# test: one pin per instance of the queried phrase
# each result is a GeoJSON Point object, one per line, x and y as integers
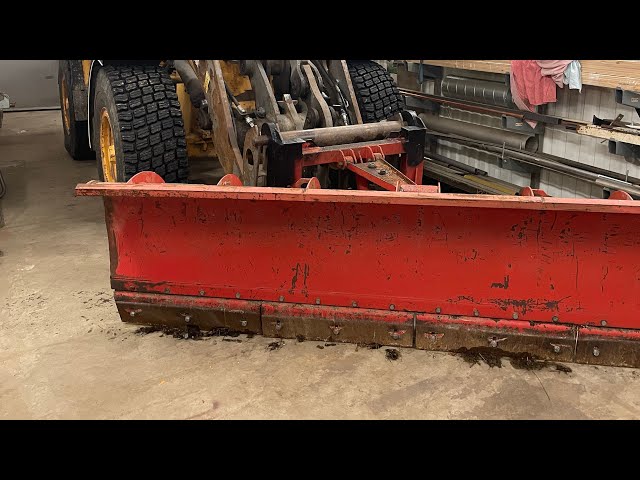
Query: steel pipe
{"type": "Point", "coordinates": [324, 137]}
{"type": "Point", "coordinates": [480, 91]}
{"type": "Point", "coordinates": [591, 168]}
{"type": "Point", "coordinates": [515, 140]}
{"type": "Point", "coordinates": [598, 172]}
{"type": "Point", "coordinates": [536, 160]}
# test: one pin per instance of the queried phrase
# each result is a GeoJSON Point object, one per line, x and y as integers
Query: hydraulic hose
{"type": "Point", "coordinates": [191, 82]}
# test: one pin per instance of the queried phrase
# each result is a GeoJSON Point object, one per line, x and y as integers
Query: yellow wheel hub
{"type": "Point", "coordinates": [107, 148]}
{"type": "Point", "coordinates": [65, 106]}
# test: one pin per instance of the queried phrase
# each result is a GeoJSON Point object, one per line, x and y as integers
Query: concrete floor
{"type": "Point", "coordinates": [65, 354]}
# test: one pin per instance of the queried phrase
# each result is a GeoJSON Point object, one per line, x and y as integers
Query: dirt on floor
{"type": "Point", "coordinates": [64, 353]}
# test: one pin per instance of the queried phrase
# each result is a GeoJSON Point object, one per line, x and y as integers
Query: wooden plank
{"type": "Point", "coordinates": [600, 73]}
{"type": "Point", "coordinates": [595, 131]}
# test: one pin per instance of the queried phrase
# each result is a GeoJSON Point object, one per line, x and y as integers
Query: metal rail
{"type": "Point", "coordinates": [539, 161]}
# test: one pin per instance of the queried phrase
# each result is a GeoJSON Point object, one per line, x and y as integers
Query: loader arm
{"type": "Point", "coordinates": [277, 122]}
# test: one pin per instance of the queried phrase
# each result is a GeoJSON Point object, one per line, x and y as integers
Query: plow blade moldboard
{"type": "Point", "coordinates": [557, 278]}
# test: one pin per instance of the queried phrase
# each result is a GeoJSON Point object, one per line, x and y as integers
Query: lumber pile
{"type": "Point", "coordinates": [600, 73]}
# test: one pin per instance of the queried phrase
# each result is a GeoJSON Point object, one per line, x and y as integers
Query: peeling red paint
{"type": "Point", "coordinates": [407, 249]}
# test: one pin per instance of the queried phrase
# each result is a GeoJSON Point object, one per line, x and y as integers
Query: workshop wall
{"type": "Point", "coordinates": [591, 151]}
{"type": "Point", "coordinates": [30, 83]}
{"type": "Point", "coordinates": [588, 150]}
{"type": "Point", "coordinates": [571, 104]}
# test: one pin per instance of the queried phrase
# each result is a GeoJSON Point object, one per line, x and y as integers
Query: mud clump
{"type": "Point", "coordinates": [392, 354]}
{"type": "Point", "coordinates": [562, 368]}
{"type": "Point", "coordinates": [182, 333]}
{"type": "Point", "coordinates": [191, 332]}
{"type": "Point", "coordinates": [300, 338]}
{"type": "Point", "coordinates": [330, 344]}
{"type": "Point", "coordinates": [526, 361]}
{"type": "Point", "coordinates": [493, 358]}
{"type": "Point", "coordinates": [148, 330]}
{"type": "Point", "coordinates": [221, 332]}
{"type": "Point", "coordinates": [275, 345]}
{"type": "Point", "coordinates": [476, 355]}
{"type": "Point", "coordinates": [320, 347]}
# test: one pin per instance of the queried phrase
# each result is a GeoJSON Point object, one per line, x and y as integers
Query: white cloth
{"type": "Point", "coordinates": [573, 76]}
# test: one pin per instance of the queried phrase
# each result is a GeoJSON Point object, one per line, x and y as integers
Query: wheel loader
{"type": "Point", "coordinates": [321, 227]}
{"type": "Point", "coordinates": [151, 116]}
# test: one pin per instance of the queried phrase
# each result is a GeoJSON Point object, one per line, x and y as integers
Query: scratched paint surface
{"type": "Point", "coordinates": [580, 267]}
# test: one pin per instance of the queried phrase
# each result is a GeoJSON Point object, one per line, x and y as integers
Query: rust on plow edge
{"type": "Point", "coordinates": [183, 311]}
{"type": "Point", "coordinates": [446, 333]}
{"type": "Point", "coordinates": [560, 343]}
{"type": "Point", "coordinates": [547, 341]}
{"type": "Point", "coordinates": [338, 324]}
{"type": "Point", "coordinates": [608, 346]}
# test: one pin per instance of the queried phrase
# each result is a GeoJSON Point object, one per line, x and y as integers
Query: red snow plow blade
{"type": "Point", "coordinates": [556, 278]}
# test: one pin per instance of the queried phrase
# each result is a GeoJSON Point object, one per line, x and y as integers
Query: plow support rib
{"type": "Point", "coordinates": [394, 262]}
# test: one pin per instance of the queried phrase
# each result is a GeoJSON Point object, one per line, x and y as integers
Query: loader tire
{"type": "Point", "coordinates": [376, 92]}
{"type": "Point", "coordinates": [143, 111]}
{"type": "Point", "coordinates": [76, 133]}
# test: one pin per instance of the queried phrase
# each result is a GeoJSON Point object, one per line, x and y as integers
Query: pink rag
{"type": "Point", "coordinates": [554, 69]}
{"type": "Point", "coordinates": [529, 87]}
